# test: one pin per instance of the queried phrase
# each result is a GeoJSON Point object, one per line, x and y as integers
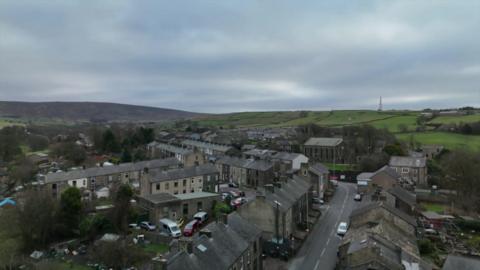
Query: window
{"type": "Point", "coordinates": [192, 190]}
{"type": "Point", "coordinates": [84, 182]}
{"type": "Point", "coordinates": [158, 186]}
{"type": "Point", "coordinates": [185, 209]}
{"type": "Point", "coordinates": [192, 180]}
{"type": "Point", "coordinates": [54, 186]}
{"type": "Point", "coordinates": [199, 206]}
{"type": "Point", "coordinates": [184, 182]}
{"type": "Point", "coordinates": [175, 184]}
{"type": "Point", "coordinates": [175, 193]}
{"type": "Point", "coordinates": [167, 185]}
{"type": "Point", "coordinates": [184, 191]}
{"type": "Point", "coordinates": [126, 175]}
{"type": "Point", "coordinates": [405, 170]}
{"type": "Point", "coordinates": [74, 183]}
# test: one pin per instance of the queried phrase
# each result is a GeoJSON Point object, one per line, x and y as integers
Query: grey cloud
{"type": "Point", "coordinates": [212, 56]}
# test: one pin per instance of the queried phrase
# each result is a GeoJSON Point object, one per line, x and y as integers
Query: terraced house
{"type": "Point", "coordinates": [180, 181]}
{"type": "Point", "coordinates": [92, 179]}
{"type": "Point", "coordinates": [207, 148]}
{"type": "Point", "coordinates": [188, 157]}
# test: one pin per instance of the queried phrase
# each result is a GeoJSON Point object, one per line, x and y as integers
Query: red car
{"type": "Point", "coordinates": [190, 228]}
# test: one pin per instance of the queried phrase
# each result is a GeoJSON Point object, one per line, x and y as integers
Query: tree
{"type": "Point", "coordinates": [118, 255]}
{"type": "Point", "coordinates": [70, 210]}
{"type": "Point", "coordinates": [403, 128]}
{"type": "Point", "coordinates": [126, 156]}
{"type": "Point", "coordinates": [35, 220]}
{"type": "Point", "coordinates": [94, 225]}
{"type": "Point", "coordinates": [110, 142]}
{"type": "Point", "coordinates": [22, 172]}
{"type": "Point", "coordinates": [10, 246]}
{"type": "Point", "coordinates": [394, 150]}
{"type": "Point", "coordinates": [37, 142]}
{"type": "Point", "coordinates": [121, 209]}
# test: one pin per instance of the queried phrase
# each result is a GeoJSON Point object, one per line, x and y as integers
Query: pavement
{"type": "Point", "coordinates": [319, 251]}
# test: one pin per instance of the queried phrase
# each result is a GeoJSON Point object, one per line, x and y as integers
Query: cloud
{"type": "Point", "coordinates": [212, 56]}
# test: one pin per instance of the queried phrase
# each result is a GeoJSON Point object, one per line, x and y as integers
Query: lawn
{"type": "Point", "coordinates": [433, 207]}
{"type": "Point", "coordinates": [449, 140]}
{"type": "Point", "coordinates": [456, 119]}
{"type": "Point", "coordinates": [156, 248]}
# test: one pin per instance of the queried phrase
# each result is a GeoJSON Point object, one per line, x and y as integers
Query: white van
{"type": "Point", "coordinates": [169, 227]}
{"type": "Point", "coordinates": [202, 217]}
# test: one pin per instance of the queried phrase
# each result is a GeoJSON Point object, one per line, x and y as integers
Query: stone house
{"type": "Point", "coordinates": [233, 169]}
{"type": "Point", "coordinates": [383, 179]}
{"type": "Point", "coordinates": [166, 205]}
{"type": "Point", "coordinates": [180, 181]}
{"type": "Point", "coordinates": [319, 176]}
{"type": "Point", "coordinates": [232, 243]}
{"type": "Point", "coordinates": [411, 169]}
{"type": "Point", "coordinates": [91, 179]}
{"type": "Point", "coordinates": [207, 148]}
{"type": "Point", "coordinates": [280, 208]}
{"type": "Point", "coordinates": [329, 150]}
{"type": "Point", "coordinates": [188, 157]}
{"type": "Point", "coordinates": [259, 173]}
{"type": "Point", "coordinates": [402, 199]}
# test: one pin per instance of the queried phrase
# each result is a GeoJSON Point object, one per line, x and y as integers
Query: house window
{"type": "Point", "coordinates": [175, 184]}
{"type": "Point", "coordinates": [74, 183]}
{"type": "Point", "coordinates": [126, 175]}
{"type": "Point", "coordinates": [192, 190]}
{"type": "Point", "coordinates": [199, 206]}
{"type": "Point", "coordinates": [184, 191]}
{"type": "Point", "coordinates": [167, 185]}
{"type": "Point", "coordinates": [184, 182]}
{"type": "Point", "coordinates": [175, 193]}
{"type": "Point", "coordinates": [54, 186]}
{"type": "Point", "coordinates": [185, 209]}
{"type": "Point", "coordinates": [158, 186]}
{"type": "Point", "coordinates": [192, 181]}
{"type": "Point", "coordinates": [84, 182]}
{"type": "Point", "coordinates": [405, 170]}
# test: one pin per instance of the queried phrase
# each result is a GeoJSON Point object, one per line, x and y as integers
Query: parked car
{"type": "Point", "coordinates": [342, 228]}
{"type": "Point", "coordinates": [357, 197]}
{"type": "Point", "coordinates": [169, 227]}
{"type": "Point", "coordinates": [134, 226]}
{"type": "Point", "coordinates": [234, 194]}
{"type": "Point", "coordinates": [147, 226]}
{"type": "Point", "coordinates": [190, 228]}
{"type": "Point", "coordinates": [317, 200]}
{"type": "Point", "coordinates": [225, 195]}
{"type": "Point", "coordinates": [202, 217]}
{"type": "Point", "coordinates": [233, 184]}
{"type": "Point", "coordinates": [237, 202]}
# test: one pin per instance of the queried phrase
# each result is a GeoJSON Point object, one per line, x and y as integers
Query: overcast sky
{"type": "Point", "coordinates": [229, 55]}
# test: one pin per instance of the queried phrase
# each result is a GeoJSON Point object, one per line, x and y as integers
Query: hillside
{"type": "Point", "coordinates": [89, 111]}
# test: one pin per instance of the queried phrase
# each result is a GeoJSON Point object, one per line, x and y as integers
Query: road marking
{"type": "Point", "coordinates": [323, 252]}
{"type": "Point", "coordinates": [316, 265]}
{"type": "Point", "coordinates": [328, 241]}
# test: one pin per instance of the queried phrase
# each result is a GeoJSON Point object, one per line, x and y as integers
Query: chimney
{"type": "Point", "coordinates": [205, 232]}
{"type": "Point", "coordinates": [269, 188]}
{"type": "Point", "coordinates": [159, 263]}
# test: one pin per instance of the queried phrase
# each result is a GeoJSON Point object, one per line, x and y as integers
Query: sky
{"type": "Point", "coordinates": [241, 55]}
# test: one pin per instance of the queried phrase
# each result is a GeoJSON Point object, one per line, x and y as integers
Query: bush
{"type": "Point", "coordinates": [426, 247]}
{"type": "Point", "coordinates": [469, 225]}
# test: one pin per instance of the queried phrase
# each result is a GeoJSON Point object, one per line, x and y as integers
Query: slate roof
{"type": "Point", "coordinates": [404, 195]}
{"type": "Point", "coordinates": [456, 262]}
{"type": "Point", "coordinates": [172, 148]}
{"type": "Point", "coordinates": [391, 172]}
{"type": "Point", "coordinates": [166, 175]}
{"type": "Point", "coordinates": [234, 161]}
{"type": "Point", "coordinates": [364, 176]}
{"type": "Point", "coordinates": [226, 245]}
{"type": "Point", "coordinates": [201, 144]}
{"type": "Point", "coordinates": [367, 208]}
{"type": "Point", "coordinates": [196, 195]}
{"type": "Point", "coordinates": [286, 156]}
{"type": "Point", "coordinates": [413, 162]}
{"type": "Point", "coordinates": [259, 165]}
{"type": "Point", "coordinates": [160, 198]}
{"type": "Point", "coordinates": [318, 168]}
{"type": "Point", "coordinates": [260, 153]}
{"type": "Point", "coordinates": [108, 170]}
{"type": "Point", "coordinates": [323, 141]}
{"type": "Point", "coordinates": [288, 194]}
{"type": "Point", "coordinates": [384, 248]}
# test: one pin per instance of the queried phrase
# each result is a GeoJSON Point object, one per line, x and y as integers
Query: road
{"type": "Point", "coordinates": [319, 252]}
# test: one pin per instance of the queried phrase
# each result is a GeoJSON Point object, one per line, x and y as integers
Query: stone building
{"type": "Point", "coordinates": [329, 150]}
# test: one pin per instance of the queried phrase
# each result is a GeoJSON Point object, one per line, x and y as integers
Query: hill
{"type": "Point", "coordinates": [89, 112]}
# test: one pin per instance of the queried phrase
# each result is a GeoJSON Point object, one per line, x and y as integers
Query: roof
{"type": "Point", "coordinates": [404, 195]}
{"type": "Point", "coordinates": [289, 193]}
{"type": "Point", "coordinates": [383, 248]}
{"type": "Point", "coordinates": [367, 208]}
{"type": "Point", "coordinates": [386, 169]}
{"type": "Point", "coordinates": [166, 175]}
{"type": "Point", "coordinates": [159, 198]}
{"type": "Point", "coordinates": [208, 145]}
{"type": "Point", "coordinates": [172, 148]}
{"type": "Point", "coordinates": [318, 168]}
{"type": "Point", "coordinates": [364, 176]}
{"type": "Point", "coordinates": [196, 195]}
{"type": "Point", "coordinates": [227, 243]}
{"type": "Point", "coordinates": [456, 262]}
{"type": "Point", "coordinates": [414, 162]}
{"type": "Point", "coordinates": [287, 156]}
{"type": "Point", "coordinates": [234, 161]}
{"type": "Point", "coordinates": [323, 141]}
{"type": "Point", "coordinates": [107, 170]}
{"type": "Point", "coordinates": [7, 201]}
{"type": "Point", "coordinates": [259, 165]}
{"type": "Point", "coordinates": [260, 153]}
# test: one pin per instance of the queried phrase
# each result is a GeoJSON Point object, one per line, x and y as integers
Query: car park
{"type": "Point", "coordinates": [190, 228]}
{"type": "Point", "coordinates": [342, 228]}
{"type": "Point", "coordinates": [147, 226]}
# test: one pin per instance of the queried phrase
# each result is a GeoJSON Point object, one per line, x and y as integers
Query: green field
{"type": "Point", "coordinates": [456, 119]}
{"type": "Point", "coordinates": [449, 140]}
{"type": "Point", "coordinates": [433, 207]}
{"type": "Point", "coordinates": [6, 122]}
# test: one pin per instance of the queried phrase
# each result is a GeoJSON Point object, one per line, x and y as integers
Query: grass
{"type": "Point", "coordinates": [438, 208]}
{"type": "Point", "coordinates": [340, 167]}
{"type": "Point", "coordinates": [156, 248]}
{"type": "Point", "coordinates": [5, 122]}
{"type": "Point", "coordinates": [449, 140]}
{"type": "Point", "coordinates": [456, 119]}
{"type": "Point", "coordinates": [61, 265]}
